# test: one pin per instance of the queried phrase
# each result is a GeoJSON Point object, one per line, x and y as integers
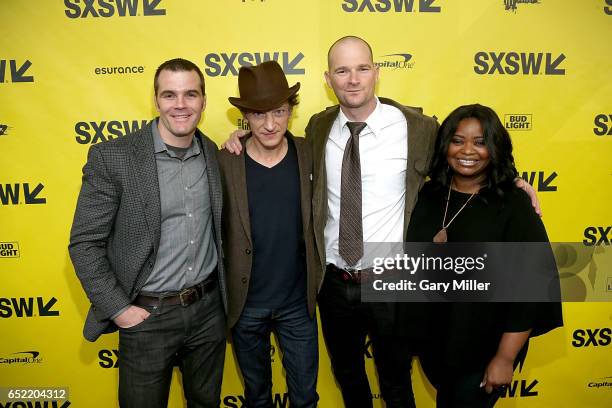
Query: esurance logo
{"type": "Point", "coordinates": [513, 63]}
{"type": "Point", "coordinates": [225, 64]}
{"type": "Point", "coordinates": [603, 124]}
{"type": "Point", "coordinates": [10, 194]}
{"type": "Point", "coordinates": [9, 249]}
{"type": "Point", "coordinates": [599, 337]}
{"type": "Point", "coordinates": [22, 357]}
{"type": "Point", "coordinates": [511, 5]}
{"type": "Point", "coordinates": [27, 307]}
{"type": "Point", "coordinates": [515, 121]}
{"type": "Point", "coordinates": [395, 61]}
{"type": "Point", "coordinates": [95, 132]}
{"type": "Point", "coordinates": [16, 71]}
{"type": "Point", "coordinates": [110, 8]}
{"type": "Point", "coordinates": [594, 236]}
{"type": "Point", "coordinates": [393, 6]}
{"type": "Point", "coordinates": [540, 180]}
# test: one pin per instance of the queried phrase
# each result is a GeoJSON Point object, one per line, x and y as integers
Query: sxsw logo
{"type": "Point", "coordinates": [238, 401]}
{"type": "Point", "coordinates": [10, 193]}
{"type": "Point", "coordinates": [110, 8]}
{"type": "Point", "coordinates": [511, 5]}
{"type": "Point", "coordinates": [27, 307]}
{"type": "Point", "coordinates": [385, 6]}
{"type": "Point", "coordinates": [4, 129]}
{"type": "Point", "coordinates": [395, 61]}
{"type": "Point", "coordinates": [9, 249]}
{"type": "Point", "coordinates": [22, 357]}
{"type": "Point", "coordinates": [597, 236]}
{"type": "Point", "coordinates": [521, 388]}
{"type": "Point", "coordinates": [540, 180]}
{"type": "Point", "coordinates": [35, 404]}
{"type": "Point", "coordinates": [516, 121]}
{"type": "Point", "coordinates": [603, 124]}
{"type": "Point", "coordinates": [16, 72]}
{"type": "Point", "coordinates": [108, 358]}
{"type": "Point", "coordinates": [224, 64]}
{"type": "Point", "coordinates": [592, 337]}
{"type": "Point", "coordinates": [608, 8]}
{"type": "Point", "coordinates": [94, 132]}
{"type": "Point", "coordinates": [513, 63]}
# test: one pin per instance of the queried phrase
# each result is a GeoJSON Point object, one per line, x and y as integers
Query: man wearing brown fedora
{"type": "Point", "coordinates": [272, 269]}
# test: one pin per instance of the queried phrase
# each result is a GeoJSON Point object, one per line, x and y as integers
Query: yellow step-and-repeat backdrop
{"type": "Point", "coordinates": [78, 72]}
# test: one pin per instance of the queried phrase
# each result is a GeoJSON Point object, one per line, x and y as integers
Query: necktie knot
{"type": "Point", "coordinates": [355, 127]}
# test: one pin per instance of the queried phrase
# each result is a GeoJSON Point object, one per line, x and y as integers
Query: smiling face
{"type": "Point", "coordinates": [180, 102]}
{"type": "Point", "coordinates": [353, 76]}
{"type": "Point", "coordinates": [467, 154]}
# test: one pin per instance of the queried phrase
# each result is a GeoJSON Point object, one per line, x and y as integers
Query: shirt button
{"type": "Point", "coordinates": [244, 280]}
{"type": "Point", "coordinates": [189, 215]}
{"type": "Point", "coordinates": [248, 251]}
{"type": "Point", "coordinates": [191, 242]}
{"type": "Point", "coordinates": [190, 268]}
{"type": "Point", "coordinates": [186, 188]}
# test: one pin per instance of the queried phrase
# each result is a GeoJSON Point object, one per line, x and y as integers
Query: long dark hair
{"type": "Point", "coordinates": [501, 171]}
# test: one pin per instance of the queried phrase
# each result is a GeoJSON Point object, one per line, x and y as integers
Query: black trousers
{"type": "Point", "coordinates": [345, 323]}
{"type": "Point", "coordinates": [191, 337]}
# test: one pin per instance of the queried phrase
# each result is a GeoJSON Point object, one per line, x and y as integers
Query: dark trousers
{"type": "Point", "coordinates": [459, 387]}
{"type": "Point", "coordinates": [192, 337]}
{"type": "Point", "coordinates": [345, 322]}
{"type": "Point", "coordinates": [297, 335]}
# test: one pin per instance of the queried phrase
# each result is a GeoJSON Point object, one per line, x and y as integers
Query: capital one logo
{"type": "Point", "coordinates": [16, 71]}
{"type": "Point", "coordinates": [110, 8]}
{"type": "Point", "coordinates": [224, 64]}
{"type": "Point", "coordinates": [385, 6]}
{"type": "Point", "coordinates": [513, 63]}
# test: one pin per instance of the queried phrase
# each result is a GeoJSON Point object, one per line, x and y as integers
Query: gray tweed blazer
{"type": "Point", "coordinates": [116, 229]}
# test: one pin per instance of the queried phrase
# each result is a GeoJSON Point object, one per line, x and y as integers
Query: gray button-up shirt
{"type": "Point", "coordinates": [187, 253]}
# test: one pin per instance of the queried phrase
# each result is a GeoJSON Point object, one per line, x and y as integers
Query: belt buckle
{"type": "Point", "coordinates": [187, 296]}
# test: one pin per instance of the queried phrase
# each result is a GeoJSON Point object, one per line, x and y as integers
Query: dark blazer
{"type": "Point", "coordinates": [116, 229]}
{"type": "Point", "coordinates": [238, 244]}
{"type": "Point", "coordinates": [422, 132]}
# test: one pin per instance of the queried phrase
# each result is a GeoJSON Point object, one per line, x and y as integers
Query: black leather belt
{"type": "Point", "coordinates": [184, 297]}
{"type": "Point", "coordinates": [349, 275]}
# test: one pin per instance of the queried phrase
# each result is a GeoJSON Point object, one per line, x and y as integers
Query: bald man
{"type": "Point", "coordinates": [394, 147]}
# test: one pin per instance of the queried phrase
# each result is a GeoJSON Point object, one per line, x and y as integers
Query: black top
{"type": "Point", "coordinates": [469, 333]}
{"type": "Point", "coordinates": [278, 273]}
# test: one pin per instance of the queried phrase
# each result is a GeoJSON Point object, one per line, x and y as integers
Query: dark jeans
{"type": "Point", "coordinates": [192, 337]}
{"type": "Point", "coordinates": [297, 335]}
{"type": "Point", "coordinates": [345, 322]}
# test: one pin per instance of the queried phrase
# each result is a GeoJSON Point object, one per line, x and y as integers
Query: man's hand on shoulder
{"type": "Point", "coordinates": [233, 144]}
{"type": "Point", "coordinates": [528, 188]}
{"type": "Point", "coordinates": [131, 316]}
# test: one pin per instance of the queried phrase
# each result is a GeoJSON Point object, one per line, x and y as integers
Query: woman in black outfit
{"type": "Point", "coordinates": [472, 348]}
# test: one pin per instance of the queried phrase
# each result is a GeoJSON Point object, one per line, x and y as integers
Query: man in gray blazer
{"type": "Point", "coordinates": [146, 246]}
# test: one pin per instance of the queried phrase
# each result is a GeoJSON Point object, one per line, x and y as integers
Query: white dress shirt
{"type": "Point", "coordinates": [383, 150]}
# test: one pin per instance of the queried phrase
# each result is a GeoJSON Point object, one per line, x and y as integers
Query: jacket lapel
{"type": "Point", "coordinates": [147, 181]}
{"type": "Point", "coordinates": [238, 175]}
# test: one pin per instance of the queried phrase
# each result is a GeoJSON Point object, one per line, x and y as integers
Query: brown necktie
{"type": "Point", "coordinates": [351, 226]}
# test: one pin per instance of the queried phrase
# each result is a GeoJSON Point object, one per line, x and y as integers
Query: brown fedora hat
{"type": "Point", "coordinates": [263, 87]}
